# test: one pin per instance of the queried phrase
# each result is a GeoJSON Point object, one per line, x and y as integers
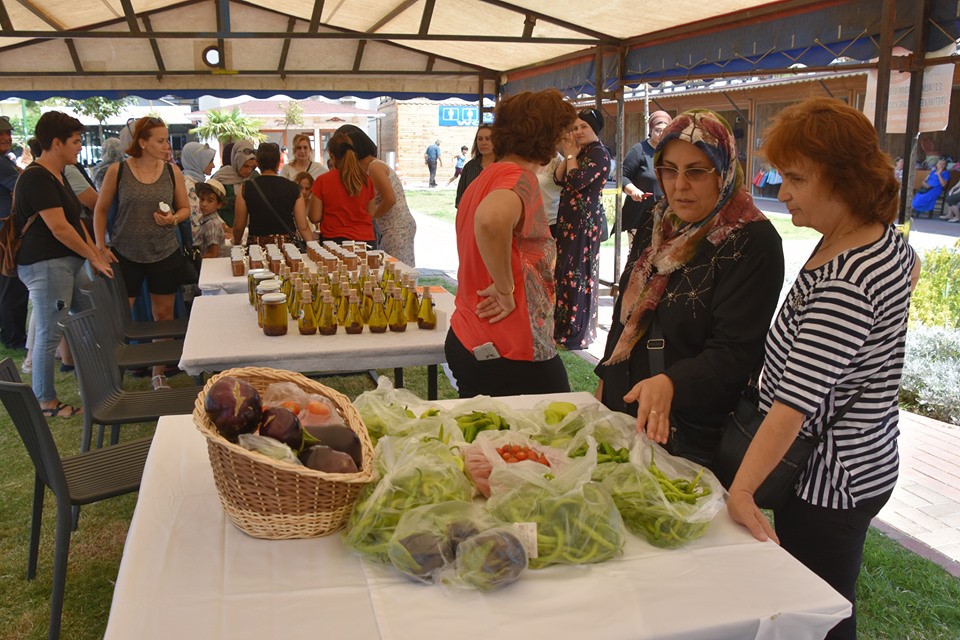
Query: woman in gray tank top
{"type": "Point", "coordinates": [152, 202]}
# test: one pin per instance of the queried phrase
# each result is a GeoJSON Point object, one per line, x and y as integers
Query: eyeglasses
{"type": "Point", "coordinates": [693, 174]}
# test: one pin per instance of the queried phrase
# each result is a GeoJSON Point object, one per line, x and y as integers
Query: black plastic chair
{"type": "Point", "coordinates": [134, 330]}
{"type": "Point", "coordinates": [75, 480]}
{"type": "Point", "coordinates": [128, 356]}
{"type": "Point", "coordinates": [105, 402]}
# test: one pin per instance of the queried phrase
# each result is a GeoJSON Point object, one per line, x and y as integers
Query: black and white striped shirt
{"type": "Point", "coordinates": [843, 326]}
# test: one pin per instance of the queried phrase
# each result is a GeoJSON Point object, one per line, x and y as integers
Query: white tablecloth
{"type": "Point", "coordinates": [188, 573]}
{"type": "Point", "coordinates": [223, 333]}
{"type": "Point", "coordinates": [216, 276]}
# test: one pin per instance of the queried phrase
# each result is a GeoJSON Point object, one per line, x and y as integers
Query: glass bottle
{"type": "Point", "coordinates": [367, 304]}
{"type": "Point", "coordinates": [391, 299]}
{"type": "Point", "coordinates": [427, 318]}
{"type": "Point", "coordinates": [378, 314]}
{"type": "Point", "coordinates": [354, 319]}
{"type": "Point", "coordinates": [293, 298]}
{"type": "Point", "coordinates": [307, 320]}
{"type": "Point", "coordinates": [412, 308]}
{"type": "Point", "coordinates": [343, 303]}
{"type": "Point", "coordinates": [328, 315]}
{"type": "Point", "coordinates": [265, 287]}
{"type": "Point", "coordinates": [396, 318]}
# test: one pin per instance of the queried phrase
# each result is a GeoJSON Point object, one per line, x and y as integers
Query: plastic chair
{"type": "Point", "coordinates": [105, 402]}
{"type": "Point", "coordinates": [133, 330]}
{"type": "Point", "coordinates": [128, 356]}
{"type": "Point", "coordinates": [75, 480]}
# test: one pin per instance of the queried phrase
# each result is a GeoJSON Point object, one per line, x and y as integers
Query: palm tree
{"type": "Point", "coordinates": [229, 127]}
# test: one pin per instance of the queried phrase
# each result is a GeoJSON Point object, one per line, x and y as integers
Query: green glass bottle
{"type": "Point", "coordinates": [427, 318]}
{"type": "Point", "coordinates": [307, 320]}
{"type": "Point", "coordinates": [354, 319]}
{"type": "Point", "coordinates": [378, 313]}
{"type": "Point", "coordinates": [328, 315]}
{"type": "Point", "coordinates": [396, 318]}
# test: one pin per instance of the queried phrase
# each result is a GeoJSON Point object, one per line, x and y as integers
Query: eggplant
{"type": "Point", "coordinates": [233, 405]}
{"type": "Point", "coordinates": [339, 438]}
{"type": "Point", "coordinates": [282, 424]}
{"type": "Point", "coordinates": [322, 458]}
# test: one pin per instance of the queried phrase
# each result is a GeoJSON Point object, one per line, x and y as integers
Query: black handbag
{"type": "Point", "coordinates": [191, 260]}
{"type": "Point", "coordinates": [741, 427]}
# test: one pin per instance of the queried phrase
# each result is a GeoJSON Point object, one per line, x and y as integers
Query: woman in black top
{"type": "Point", "coordinates": [707, 268]}
{"type": "Point", "coordinates": [55, 248]}
{"type": "Point", "coordinates": [282, 212]}
{"type": "Point", "coordinates": [639, 178]}
{"type": "Point", "coordinates": [482, 157]}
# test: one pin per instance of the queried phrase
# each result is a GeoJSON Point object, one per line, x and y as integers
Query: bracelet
{"type": "Point", "coordinates": [505, 293]}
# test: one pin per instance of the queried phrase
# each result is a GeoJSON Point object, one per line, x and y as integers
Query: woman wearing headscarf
{"type": "Point", "coordinates": [581, 176]}
{"type": "Point", "coordinates": [840, 333]}
{"type": "Point", "coordinates": [343, 198]}
{"type": "Point", "coordinates": [698, 291]}
{"type": "Point", "coordinates": [197, 162]}
{"type": "Point", "coordinates": [483, 157]}
{"type": "Point", "coordinates": [243, 165]}
{"type": "Point", "coordinates": [391, 214]}
{"type": "Point", "coordinates": [639, 178]}
{"type": "Point", "coordinates": [110, 153]}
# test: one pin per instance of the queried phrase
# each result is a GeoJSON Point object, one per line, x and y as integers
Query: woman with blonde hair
{"type": "Point", "coordinates": [343, 198]}
{"type": "Point", "coordinates": [302, 160]}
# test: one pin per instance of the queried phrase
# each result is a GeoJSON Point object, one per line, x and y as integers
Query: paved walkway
{"type": "Point", "coordinates": [924, 512]}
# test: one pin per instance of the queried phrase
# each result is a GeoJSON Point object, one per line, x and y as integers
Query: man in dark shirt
{"type": "Point", "coordinates": [432, 157]}
{"type": "Point", "coordinates": [13, 294]}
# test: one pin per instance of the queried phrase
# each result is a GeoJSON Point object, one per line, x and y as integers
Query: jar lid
{"type": "Point", "coordinates": [274, 297]}
{"type": "Point", "coordinates": [265, 274]}
{"type": "Point", "coordinates": [268, 287]}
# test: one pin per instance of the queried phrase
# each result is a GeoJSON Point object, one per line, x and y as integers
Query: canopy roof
{"type": "Point", "coordinates": [432, 48]}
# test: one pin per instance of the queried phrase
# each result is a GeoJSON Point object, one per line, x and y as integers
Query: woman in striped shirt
{"type": "Point", "coordinates": [841, 328]}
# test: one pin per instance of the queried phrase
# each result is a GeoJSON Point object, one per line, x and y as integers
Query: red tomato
{"type": "Point", "coordinates": [317, 407]}
{"type": "Point", "coordinates": [522, 455]}
{"type": "Point", "coordinates": [293, 406]}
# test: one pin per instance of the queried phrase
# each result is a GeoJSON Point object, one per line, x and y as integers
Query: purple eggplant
{"type": "Point", "coordinates": [234, 407]}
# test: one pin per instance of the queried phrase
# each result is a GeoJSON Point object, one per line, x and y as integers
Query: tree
{"type": "Point", "coordinates": [33, 114]}
{"type": "Point", "coordinates": [100, 108]}
{"type": "Point", "coordinates": [292, 116]}
{"type": "Point", "coordinates": [229, 127]}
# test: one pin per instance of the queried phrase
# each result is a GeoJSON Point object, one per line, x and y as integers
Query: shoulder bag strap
{"type": "Point", "coordinates": [840, 413]}
{"type": "Point", "coordinates": [655, 346]}
{"type": "Point", "coordinates": [276, 215]}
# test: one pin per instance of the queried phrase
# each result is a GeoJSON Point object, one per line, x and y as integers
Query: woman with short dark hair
{"type": "Point", "coordinates": [272, 204]}
{"type": "Point", "coordinates": [482, 157]}
{"type": "Point", "coordinates": [55, 247]}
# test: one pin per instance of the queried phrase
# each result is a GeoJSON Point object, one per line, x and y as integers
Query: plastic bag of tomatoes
{"type": "Point", "coordinates": [499, 448]}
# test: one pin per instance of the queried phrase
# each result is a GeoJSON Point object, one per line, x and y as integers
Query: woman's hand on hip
{"type": "Point", "coordinates": [495, 305]}
{"type": "Point", "coordinates": [654, 397]}
{"type": "Point", "coordinates": [745, 511]}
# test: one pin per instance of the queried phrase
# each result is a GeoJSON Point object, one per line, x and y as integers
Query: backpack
{"type": "Point", "coordinates": [11, 239]}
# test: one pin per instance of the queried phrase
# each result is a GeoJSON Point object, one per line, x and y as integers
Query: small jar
{"type": "Point", "coordinates": [252, 283]}
{"type": "Point", "coordinates": [269, 286]}
{"type": "Point", "coordinates": [236, 265]}
{"type": "Point", "coordinates": [274, 312]}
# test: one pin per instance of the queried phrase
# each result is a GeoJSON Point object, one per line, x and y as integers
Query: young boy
{"type": "Point", "coordinates": [458, 162]}
{"type": "Point", "coordinates": [210, 237]}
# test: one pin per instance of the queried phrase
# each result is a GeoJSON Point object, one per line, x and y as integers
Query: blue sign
{"type": "Point", "coordinates": [461, 116]}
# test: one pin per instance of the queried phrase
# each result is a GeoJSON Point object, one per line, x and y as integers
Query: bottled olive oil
{"type": "Point", "coordinates": [427, 318]}
{"type": "Point", "coordinates": [378, 313]}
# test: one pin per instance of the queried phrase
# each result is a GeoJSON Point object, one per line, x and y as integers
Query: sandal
{"type": "Point", "coordinates": [58, 411]}
{"type": "Point", "coordinates": [160, 382]}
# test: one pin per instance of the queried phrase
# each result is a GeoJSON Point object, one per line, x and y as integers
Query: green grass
{"type": "Point", "coordinates": [901, 594]}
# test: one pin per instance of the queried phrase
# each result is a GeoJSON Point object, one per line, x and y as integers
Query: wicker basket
{"type": "Point", "coordinates": [277, 500]}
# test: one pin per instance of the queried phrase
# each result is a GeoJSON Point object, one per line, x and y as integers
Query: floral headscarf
{"type": "Point", "coordinates": [675, 242]}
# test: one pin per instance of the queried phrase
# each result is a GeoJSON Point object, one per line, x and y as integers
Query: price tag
{"type": "Point", "coordinates": [527, 533]}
